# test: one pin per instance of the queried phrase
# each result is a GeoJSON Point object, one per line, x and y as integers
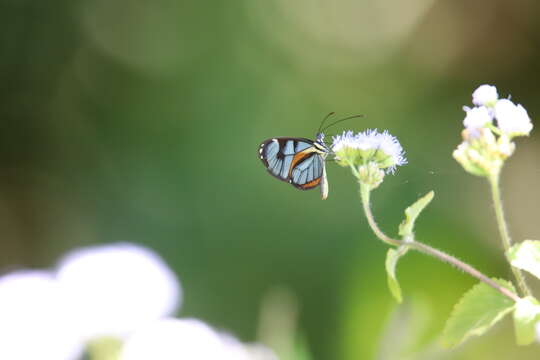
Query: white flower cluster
{"type": "Point", "coordinates": [512, 120]}
{"type": "Point", "coordinates": [369, 146]}
{"type": "Point", "coordinates": [486, 146]}
{"type": "Point", "coordinates": [121, 291]}
{"type": "Point", "coordinates": [369, 154]}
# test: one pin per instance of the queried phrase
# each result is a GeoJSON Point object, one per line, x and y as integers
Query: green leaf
{"type": "Point", "coordinates": [478, 310]}
{"type": "Point", "coordinates": [526, 315]}
{"type": "Point", "coordinates": [392, 256]}
{"type": "Point", "coordinates": [412, 212]}
{"type": "Point", "coordinates": [526, 256]}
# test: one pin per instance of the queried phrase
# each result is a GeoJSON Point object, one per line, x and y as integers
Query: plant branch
{"type": "Point", "coordinates": [426, 249]}
{"type": "Point", "coordinates": [503, 230]}
{"type": "Point", "coordinates": [365, 195]}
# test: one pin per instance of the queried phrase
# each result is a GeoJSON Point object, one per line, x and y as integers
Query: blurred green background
{"type": "Point", "coordinates": [132, 120]}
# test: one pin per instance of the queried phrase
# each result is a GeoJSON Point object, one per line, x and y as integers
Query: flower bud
{"type": "Point", "coordinates": [371, 175]}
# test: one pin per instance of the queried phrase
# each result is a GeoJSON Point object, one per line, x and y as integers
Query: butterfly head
{"type": "Point", "coordinates": [320, 144]}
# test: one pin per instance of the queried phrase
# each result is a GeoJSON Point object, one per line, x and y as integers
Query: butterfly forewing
{"type": "Point", "coordinates": [277, 154]}
{"type": "Point", "coordinates": [295, 160]}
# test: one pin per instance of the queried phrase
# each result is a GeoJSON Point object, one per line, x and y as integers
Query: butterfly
{"type": "Point", "coordinates": [299, 161]}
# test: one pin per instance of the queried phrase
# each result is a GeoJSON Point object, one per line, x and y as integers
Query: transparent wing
{"type": "Point", "coordinates": [308, 171]}
{"type": "Point", "coordinates": [277, 155]}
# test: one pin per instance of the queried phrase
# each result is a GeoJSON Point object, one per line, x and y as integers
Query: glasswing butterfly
{"type": "Point", "coordinates": [299, 161]}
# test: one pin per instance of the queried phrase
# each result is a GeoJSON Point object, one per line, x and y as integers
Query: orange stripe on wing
{"type": "Point", "coordinates": [311, 184]}
{"type": "Point", "coordinates": [301, 156]}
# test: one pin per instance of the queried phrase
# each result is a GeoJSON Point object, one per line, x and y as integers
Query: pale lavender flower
{"type": "Point", "coordinates": [476, 118]}
{"type": "Point", "coordinates": [485, 95]}
{"type": "Point", "coordinates": [512, 119]}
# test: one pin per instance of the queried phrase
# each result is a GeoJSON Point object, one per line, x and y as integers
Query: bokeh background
{"type": "Point", "coordinates": [139, 121]}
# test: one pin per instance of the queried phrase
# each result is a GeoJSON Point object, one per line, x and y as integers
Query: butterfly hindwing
{"type": "Point", "coordinates": [307, 170]}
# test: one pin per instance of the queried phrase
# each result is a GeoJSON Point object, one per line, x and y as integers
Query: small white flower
{"type": "Point", "coordinates": [485, 95]}
{"type": "Point", "coordinates": [370, 145]}
{"type": "Point", "coordinates": [36, 318]}
{"type": "Point", "coordinates": [118, 288]}
{"type": "Point", "coordinates": [511, 119]}
{"type": "Point", "coordinates": [476, 118]}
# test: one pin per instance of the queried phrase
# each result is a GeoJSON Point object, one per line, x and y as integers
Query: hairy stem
{"type": "Point", "coordinates": [503, 230]}
{"type": "Point", "coordinates": [426, 249]}
{"type": "Point", "coordinates": [423, 248]}
{"type": "Point", "coordinates": [365, 195]}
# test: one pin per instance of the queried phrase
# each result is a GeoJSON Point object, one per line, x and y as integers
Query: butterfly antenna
{"type": "Point", "coordinates": [340, 120]}
{"type": "Point", "coordinates": [324, 120]}
{"type": "Point", "coordinates": [326, 136]}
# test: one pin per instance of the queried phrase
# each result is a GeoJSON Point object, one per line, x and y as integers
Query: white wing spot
{"type": "Point", "coordinates": [275, 140]}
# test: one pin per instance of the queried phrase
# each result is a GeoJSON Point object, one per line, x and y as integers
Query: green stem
{"type": "Point", "coordinates": [354, 170]}
{"type": "Point", "coordinates": [365, 195]}
{"type": "Point", "coordinates": [503, 230]}
{"type": "Point", "coordinates": [428, 250]}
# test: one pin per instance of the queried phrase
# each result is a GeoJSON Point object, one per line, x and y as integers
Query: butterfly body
{"type": "Point", "coordinates": [298, 161]}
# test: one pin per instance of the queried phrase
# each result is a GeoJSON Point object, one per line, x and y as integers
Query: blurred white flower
{"type": "Point", "coordinates": [36, 320]}
{"type": "Point", "coordinates": [485, 95]}
{"type": "Point", "coordinates": [476, 118]}
{"type": "Point", "coordinates": [117, 288]}
{"type": "Point", "coordinates": [485, 148]}
{"type": "Point", "coordinates": [186, 339]}
{"type": "Point", "coordinates": [511, 119]}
